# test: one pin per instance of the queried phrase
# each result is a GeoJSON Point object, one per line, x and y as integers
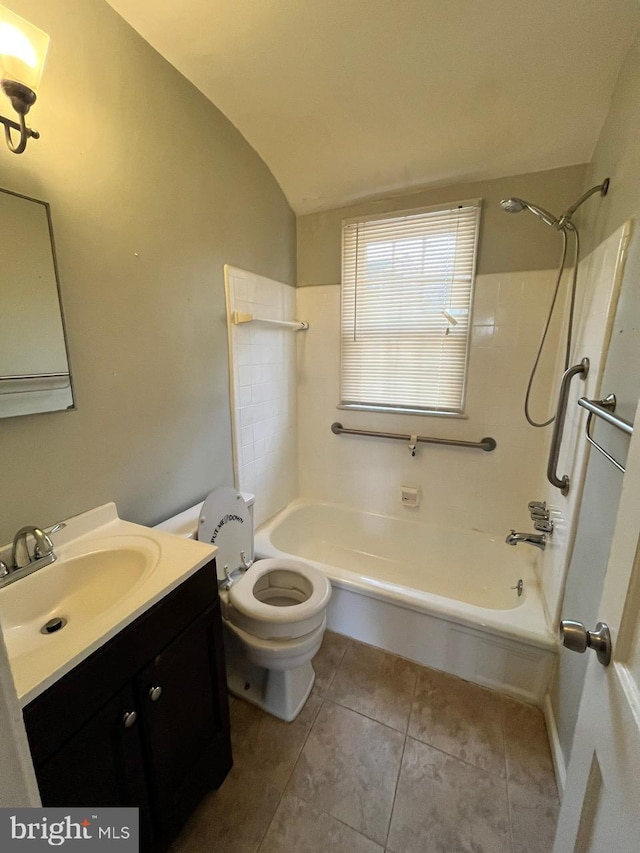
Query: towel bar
{"type": "Point", "coordinates": [604, 409]}
{"type": "Point", "coordinates": [238, 318]}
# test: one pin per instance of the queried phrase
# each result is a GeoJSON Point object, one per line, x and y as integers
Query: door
{"type": "Point", "coordinates": [601, 804]}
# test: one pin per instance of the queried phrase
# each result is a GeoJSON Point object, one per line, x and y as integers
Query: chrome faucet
{"type": "Point", "coordinates": [537, 540]}
{"type": "Point", "coordinates": [22, 562]}
{"type": "Point", "coordinates": [20, 557]}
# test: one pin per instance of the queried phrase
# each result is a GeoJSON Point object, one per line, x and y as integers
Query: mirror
{"type": "Point", "coordinates": [34, 364]}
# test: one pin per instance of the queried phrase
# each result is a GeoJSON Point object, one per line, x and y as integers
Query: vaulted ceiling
{"type": "Point", "coordinates": [345, 99]}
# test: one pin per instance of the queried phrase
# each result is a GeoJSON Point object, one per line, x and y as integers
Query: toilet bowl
{"type": "Point", "coordinates": [273, 611]}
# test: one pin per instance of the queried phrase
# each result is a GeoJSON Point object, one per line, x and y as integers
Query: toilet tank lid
{"type": "Point", "coordinates": [184, 523]}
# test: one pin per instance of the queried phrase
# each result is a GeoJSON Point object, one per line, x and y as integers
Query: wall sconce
{"type": "Point", "coordinates": [23, 48]}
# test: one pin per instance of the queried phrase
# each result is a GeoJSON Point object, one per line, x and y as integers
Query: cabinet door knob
{"type": "Point", "coordinates": [155, 693]}
{"type": "Point", "coordinates": [129, 718]}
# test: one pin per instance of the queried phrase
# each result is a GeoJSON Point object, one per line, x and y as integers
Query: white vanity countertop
{"type": "Point", "coordinates": [38, 660]}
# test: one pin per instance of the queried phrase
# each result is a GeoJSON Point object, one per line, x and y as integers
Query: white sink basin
{"type": "Point", "coordinates": [107, 573]}
{"type": "Point", "coordinates": [77, 589]}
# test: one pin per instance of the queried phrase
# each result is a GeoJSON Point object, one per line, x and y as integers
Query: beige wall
{"type": "Point", "coordinates": [507, 243]}
{"type": "Point", "coordinates": [152, 190]}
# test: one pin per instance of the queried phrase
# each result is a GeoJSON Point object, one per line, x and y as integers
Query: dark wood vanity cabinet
{"type": "Point", "coordinates": [143, 721]}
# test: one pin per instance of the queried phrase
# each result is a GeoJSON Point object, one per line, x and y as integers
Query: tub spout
{"type": "Point", "coordinates": [537, 540]}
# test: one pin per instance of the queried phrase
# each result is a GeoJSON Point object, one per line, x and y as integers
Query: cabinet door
{"type": "Point", "coordinates": [183, 696]}
{"type": "Point", "coordinates": [102, 764]}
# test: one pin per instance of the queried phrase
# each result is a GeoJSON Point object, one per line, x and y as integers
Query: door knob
{"type": "Point", "coordinates": [576, 638]}
{"type": "Point", "coordinates": [155, 693]}
{"type": "Point", "coordinates": [129, 718]}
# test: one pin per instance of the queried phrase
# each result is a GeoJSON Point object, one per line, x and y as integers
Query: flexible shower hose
{"type": "Point", "coordinates": [574, 284]}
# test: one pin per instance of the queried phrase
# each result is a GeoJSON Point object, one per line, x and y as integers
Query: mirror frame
{"type": "Point", "coordinates": [56, 272]}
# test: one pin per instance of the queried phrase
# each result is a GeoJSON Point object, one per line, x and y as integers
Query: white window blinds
{"type": "Point", "coordinates": [407, 283]}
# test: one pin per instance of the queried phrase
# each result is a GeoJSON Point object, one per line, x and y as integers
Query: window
{"type": "Point", "coordinates": [407, 283]}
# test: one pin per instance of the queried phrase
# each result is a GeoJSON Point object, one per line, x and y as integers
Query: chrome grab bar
{"type": "Point", "coordinates": [487, 444]}
{"type": "Point", "coordinates": [582, 370]}
{"type": "Point", "coordinates": [604, 409]}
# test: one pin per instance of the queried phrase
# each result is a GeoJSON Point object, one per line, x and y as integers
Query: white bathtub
{"type": "Point", "coordinates": [439, 596]}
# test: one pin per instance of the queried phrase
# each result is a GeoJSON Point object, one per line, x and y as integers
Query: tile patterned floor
{"type": "Point", "coordinates": [385, 756]}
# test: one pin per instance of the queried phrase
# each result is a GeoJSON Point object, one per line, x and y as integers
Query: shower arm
{"type": "Point", "coordinates": [565, 219]}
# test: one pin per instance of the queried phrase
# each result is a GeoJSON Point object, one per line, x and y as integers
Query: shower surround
{"type": "Point", "coordinates": [462, 487]}
{"type": "Point", "coordinates": [262, 390]}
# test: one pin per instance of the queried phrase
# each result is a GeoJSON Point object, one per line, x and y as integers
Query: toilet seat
{"type": "Point", "coordinates": [279, 599]}
{"type": "Point", "coordinates": [225, 521]}
{"type": "Point", "coordinates": [311, 583]}
{"type": "Point", "coordinates": [290, 579]}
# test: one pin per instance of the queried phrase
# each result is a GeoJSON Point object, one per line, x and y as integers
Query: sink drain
{"type": "Point", "coordinates": [53, 625]}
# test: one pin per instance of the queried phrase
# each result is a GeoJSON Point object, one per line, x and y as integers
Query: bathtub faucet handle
{"type": "Point", "coordinates": [246, 564]}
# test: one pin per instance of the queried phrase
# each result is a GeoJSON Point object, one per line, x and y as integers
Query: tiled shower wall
{"type": "Point", "coordinates": [463, 487]}
{"type": "Point", "coordinates": [460, 487]}
{"type": "Point", "coordinates": [263, 391]}
{"type": "Point", "coordinates": [599, 277]}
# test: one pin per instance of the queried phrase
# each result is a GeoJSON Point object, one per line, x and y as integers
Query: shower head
{"type": "Point", "coordinates": [512, 205]}
{"type": "Point", "coordinates": [562, 223]}
{"type": "Point", "coordinates": [517, 205]}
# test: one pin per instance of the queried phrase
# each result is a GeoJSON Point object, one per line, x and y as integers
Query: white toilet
{"type": "Point", "coordinates": [273, 611]}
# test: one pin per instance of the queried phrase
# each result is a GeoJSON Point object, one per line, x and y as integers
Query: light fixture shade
{"type": "Point", "coordinates": [23, 49]}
